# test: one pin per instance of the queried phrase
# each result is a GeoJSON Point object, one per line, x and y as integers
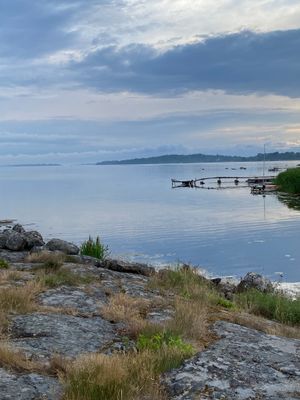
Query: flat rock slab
{"type": "Point", "coordinates": [243, 364]}
{"type": "Point", "coordinates": [28, 387]}
{"type": "Point", "coordinates": [74, 298]}
{"type": "Point", "coordinates": [42, 335]}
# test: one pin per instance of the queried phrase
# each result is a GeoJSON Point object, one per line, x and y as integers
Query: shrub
{"type": "Point", "coordinates": [271, 305]}
{"type": "Point", "coordinates": [289, 181]}
{"type": "Point", "coordinates": [3, 264]}
{"type": "Point", "coordinates": [94, 248]}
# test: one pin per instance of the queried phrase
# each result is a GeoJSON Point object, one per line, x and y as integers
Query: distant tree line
{"type": "Point", "coordinates": [202, 158]}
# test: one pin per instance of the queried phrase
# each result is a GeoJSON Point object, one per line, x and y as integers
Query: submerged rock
{"type": "Point", "coordinates": [243, 364]}
{"type": "Point", "coordinates": [252, 280]}
{"type": "Point", "coordinates": [62, 245]}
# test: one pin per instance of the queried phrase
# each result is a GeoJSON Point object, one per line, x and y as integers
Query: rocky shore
{"type": "Point", "coordinates": [66, 320]}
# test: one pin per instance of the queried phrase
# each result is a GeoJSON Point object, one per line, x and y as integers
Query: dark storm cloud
{"type": "Point", "coordinates": [242, 63]}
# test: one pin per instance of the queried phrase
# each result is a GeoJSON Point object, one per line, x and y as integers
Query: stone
{"type": "Point", "coordinates": [18, 228]}
{"type": "Point", "coordinates": [75, 299]}
{"type": "Point", "coordinates": [252, 280]}
{"type": "Point", "coordinates": [3, 238]}
{"type": "Point", "coordinates": [123, 266]}
{"type": "Point", "coordinates": [33, 239]}
{"type": "Point", "coordinates": [226, 285]}
{"type": "Point", "coordinates": [43, 335]}
{"type": "Point", "coordinates": [62, 245]}
{"type": "Point", "coordinates": [28, 387]}
{"type": "Point", "coordinates": [15, 241]}
{"type": "Point", "coordinates": [243, 364]}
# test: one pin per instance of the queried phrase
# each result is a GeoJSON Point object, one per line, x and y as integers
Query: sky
{"type": "Point", "coordinates": [91, 80]}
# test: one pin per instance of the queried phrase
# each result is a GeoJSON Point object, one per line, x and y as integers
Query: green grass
{"type": "Point", "coordinates": [3, 264]}
{"type": "Point", "coordinates": [270, 305]}
{"type": "Point", "coordinates": [163, 339]}
{"type": "Point", "coordinates": [289, 181]}
{"type": "Point", "coordinates": [94, 248]}
{"type": "Point", "coordinates": [63, 277]}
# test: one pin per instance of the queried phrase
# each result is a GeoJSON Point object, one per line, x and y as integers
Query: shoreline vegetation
{"type": "Point", "coordinates": [289, 181]}
{"type": "Point", "coordinates": [204, 158]}
{"type": "Point", "coordinates": [153, 320]}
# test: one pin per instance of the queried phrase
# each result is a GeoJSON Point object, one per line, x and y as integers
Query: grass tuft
{"type": "Point", "coordinates": [61, 277]}
{"type": "Point", "coordinates": [273, 306]}
{"type": "Point", "coordinates": [121, 377]}
{"type": "Point", "coordinates": [94, 248]}
{"type": "Point", "coordinates": [46, 257]}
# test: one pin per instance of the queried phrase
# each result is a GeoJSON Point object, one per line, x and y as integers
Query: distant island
{"type": "Point", "coordinates": [205, 158]}
{"type": "Point", "coordinates": [31, 165]}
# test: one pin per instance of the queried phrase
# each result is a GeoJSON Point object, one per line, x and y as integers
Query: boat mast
{"type": "Point", "coordinates": [264, 165]}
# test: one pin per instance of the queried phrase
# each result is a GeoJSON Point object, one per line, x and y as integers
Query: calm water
{"type": "Point", "coordinates": [138, 215]}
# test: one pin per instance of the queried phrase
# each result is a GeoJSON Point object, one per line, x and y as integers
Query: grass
{"type": "Point", "coordinates": [3, 264]}
{"type": "Point", "coordinates": [20, 299]}
{"type": "Point", "coordinates": [94, 248]}
{"type": "Point", "coordinates": [273, 306]}
{"type": "Point", "coordinates": [16, 361]}
{"type": "Point", "coordinates": [62, 276]}
{"type": "Point", "coordinates": [129, 310]}
{"type": "Point", "coordinates": [17, 300]}
{"type": "Point", "coordinates": [121, 377]}
{"type": "Point", "coordinates": [46, 257]}
{"type": "Point", "coordinates": [164, 339]}
{"type": "Point", "coordinates": [289, 181]}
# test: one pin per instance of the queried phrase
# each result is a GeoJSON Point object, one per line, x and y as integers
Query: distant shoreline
{"type": "Point", "coordinates": [204, 158]}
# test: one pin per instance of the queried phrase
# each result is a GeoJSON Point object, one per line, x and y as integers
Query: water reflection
{"type": "Point", "coordinates": [291, 201]}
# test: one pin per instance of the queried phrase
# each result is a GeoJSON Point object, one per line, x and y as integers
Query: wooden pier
{"type": "Point", "coordinates": [237, 181]}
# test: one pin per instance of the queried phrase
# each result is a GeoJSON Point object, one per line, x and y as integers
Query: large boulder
{"type": "Point", "coordinates": [252, 280]}
{"type": "Point", "coordinates": [62, 245]}
{"type": "Point", "coordinates": [15, 241]}
{"type": "Point", "coordinates": [3, 238]}
{"type": "Point", "coordinates": [33, 239]}
{"type": "Point", "coordinates": [123, 266]}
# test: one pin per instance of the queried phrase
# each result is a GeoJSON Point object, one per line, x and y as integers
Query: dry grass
{"type": "Point", "coordinates": [45, 256]}
{"type": "Point", "coordinates": [191, 321]}
{"type": "Point", "coordinates": [16, 360]}
{"type": "Point", "coordinates": [20, 299]}
{"type": "Point", "coordinates": [120, 377]}
{"type": "Point", "coordinates": [259, 323]}
{"type": "Point", "coordinates": [7, 276]}
{"type": "Point", "coordinates": [129, 310]}
{"type": "Point", "coordinates": [17, 300]}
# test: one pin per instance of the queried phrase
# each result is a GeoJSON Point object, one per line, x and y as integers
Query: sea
{"type": "Point", "coordinates": [225, 231]}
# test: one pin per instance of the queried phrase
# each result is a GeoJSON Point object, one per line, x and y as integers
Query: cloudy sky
{"type": "Point", "coordinates": [91, 80]}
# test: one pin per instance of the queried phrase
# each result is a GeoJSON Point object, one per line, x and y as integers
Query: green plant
{"type": "Point", "coordinates": [270, 305]}
{"type": "Point", "coordinates": [3, 264]}
{"type": "Point", "coordinates": [163, 339]}
{"type": "Point", "coordinates": [225, 303]}
{"type": "Point", "coordinates": [94, 248]}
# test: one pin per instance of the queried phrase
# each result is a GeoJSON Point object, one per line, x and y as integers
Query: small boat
{"type": "Point", "coordinates": [262, 189]}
